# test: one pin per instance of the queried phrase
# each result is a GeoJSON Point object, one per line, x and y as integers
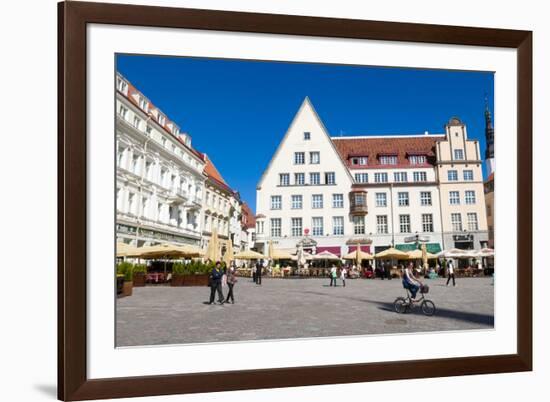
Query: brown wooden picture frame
{"type": "Point", "coordinates": [73, 17]}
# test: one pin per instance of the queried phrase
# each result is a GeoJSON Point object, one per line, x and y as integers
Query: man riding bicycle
{"type": "Point", "coordinates": [410, 282]}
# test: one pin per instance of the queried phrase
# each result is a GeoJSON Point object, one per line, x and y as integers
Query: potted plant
{"type": "Point", "coordinates": [126, 269]}
{"type": "Point", "coordinates": [179, 272]}
{"type": "Point", "coordinates": [140, 271]}
{"type": "Point", "coordinates": [200, 273]}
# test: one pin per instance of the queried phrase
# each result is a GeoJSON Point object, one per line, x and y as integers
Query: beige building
{"type": "Point", "coordinates": [461, 191]}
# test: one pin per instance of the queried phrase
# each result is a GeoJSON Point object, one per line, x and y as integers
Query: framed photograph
{"type": "Point", "coordinates": [314, 199]}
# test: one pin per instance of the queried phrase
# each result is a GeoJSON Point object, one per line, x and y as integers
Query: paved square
{"type": "Point", "coordinates": [296, 308]}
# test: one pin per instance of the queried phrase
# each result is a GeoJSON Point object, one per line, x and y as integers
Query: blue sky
{"type": "Point", "coordinates": [238, 111]}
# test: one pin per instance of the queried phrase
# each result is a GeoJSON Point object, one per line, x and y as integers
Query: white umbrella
{"type": "Point", "coordinates": [326, 255]}
{"type": "Point", "coordinates": [485, 252]}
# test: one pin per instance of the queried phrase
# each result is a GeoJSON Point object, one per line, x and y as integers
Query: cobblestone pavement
{"type": "Point", "coordinates": [296, 308]}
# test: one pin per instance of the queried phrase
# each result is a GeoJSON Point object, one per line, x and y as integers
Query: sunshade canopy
{"type": "Point", "coordinates": [248, 255]}
{"type": "Point", "coordinates": [326, 255]}
{"type": "Point", "coordinates": [390, 253]}
{"type": "Point", "coordinates": [363, 255]}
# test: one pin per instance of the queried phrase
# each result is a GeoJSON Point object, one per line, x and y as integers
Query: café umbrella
{"type": "Point", "coordinates": [126, 250]}
{"type": "Point", "coordinates": [228, 256]}
{"type": "Point", "coordinates": [248, 255]}
{"type": "Point", "coordinates": [213, 250]}
{"type": "Point", "coordinates": [392, 253]}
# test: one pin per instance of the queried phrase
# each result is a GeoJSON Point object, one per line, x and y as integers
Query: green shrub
{"type": "Point", "coordinates": [180, 269]}
{"type": "Point", "coordinates": [127, 269]}
{"type": "Point", "coordinates": [140, 269]}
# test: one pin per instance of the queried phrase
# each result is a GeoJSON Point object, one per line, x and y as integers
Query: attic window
{"type": "Point", "coordinates": [359, 160]}
{"type": "Point", "coordinates": [388, 159]}
{"type": "Point", "coordinates": [307, 136]}
{"type": "Point", "coordinates": [417, 159]}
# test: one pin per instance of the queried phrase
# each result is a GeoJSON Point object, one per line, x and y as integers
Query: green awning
{"type": "Point", "coordinates": [433, 248]}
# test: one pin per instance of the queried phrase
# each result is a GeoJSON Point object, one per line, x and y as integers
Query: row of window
{"type": "Point", "coordinates": [381, 199]}
{"type": "Point", "coordinates": [469, 197]}
{"type": "Point", "coordinates": [398, 177]}
{"type": "Point", "coordinates": [317, 225]}
{"type": "Point", "coordinates": [300, 179]}
{"type": "Point", "coordinates": [300, 158]}
{"type": "Point", "coordinates": [468, 175]}
{"type": "Point", "coordinates": [217, 202]}
{"type": "Point", "coordinates": [388, 160]}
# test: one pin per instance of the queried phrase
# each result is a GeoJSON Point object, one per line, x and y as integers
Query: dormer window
{"type": "Point", "coordinates": [143, 104]}
{"type": "Point", "coordinates": [161, 119]}
{"type": "Point", "coordinates": [307, 136]}
{"type": "Point", "coordinates": [417, 159]}
{"type": "Point", "coordinates": [359, 160]}
{"type": "Point", "coordinates": [175, 130]}
{"type": "Point", "coordinates": [122, 86]}
{"type": "Point", "coordinates": [388, 159]}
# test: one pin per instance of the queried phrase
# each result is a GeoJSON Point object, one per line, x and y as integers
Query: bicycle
{"type": "Point", "coordinates": [403, 305]}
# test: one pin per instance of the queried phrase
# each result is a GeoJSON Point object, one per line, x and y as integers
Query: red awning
{"type": "Point", "coordinates": [336, 250]}
{"type": "Point", "coordinates": [366, 249]}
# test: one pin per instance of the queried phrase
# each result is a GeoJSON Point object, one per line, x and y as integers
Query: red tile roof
{"type": "Point", "coordinates": [211, 170]}
{"type": "Point", "coordinates": [373, 147]}
{"type": "Point", "coordinates": [248, 217]}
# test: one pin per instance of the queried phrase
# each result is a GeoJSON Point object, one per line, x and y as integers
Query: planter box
{"type": "Point", "coordinates": [196, 280]}
{"type": "Point", "coordinates": [139, 279]}
{"type": "Point", "coordinates": [178, 280]}
{"type": "Point", "coordinates": [127, 288]}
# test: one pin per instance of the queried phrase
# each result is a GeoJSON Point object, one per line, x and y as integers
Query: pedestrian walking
{"type": "Point", "coordinates": [259, 266]}
{"type": "Point", "coordinates": [333, 275]}
{"type": "Point", "coordinates": [216, 283]}
{"type": "Point", "coordinates": [450, 272]}
{"type": "Point", "coordinates": [231, 281]}
{"type": "Point", "coordinates": [343, 273]}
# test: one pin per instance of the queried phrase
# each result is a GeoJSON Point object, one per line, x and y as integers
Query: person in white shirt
{"type": "Point", "coordinates": [450, 272]}
{"type": "Point", "coordinates": [343, 273]}
{"type": "Point", "coordinates": [333, 275]}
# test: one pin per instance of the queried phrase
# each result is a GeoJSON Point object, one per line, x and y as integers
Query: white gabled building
{"type": "Point", "coordinates": [304, 190]}
{"type": "Point", "coordinates": [377, 191]}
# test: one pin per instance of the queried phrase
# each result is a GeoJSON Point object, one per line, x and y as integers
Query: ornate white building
{"type": "Point", "coordinates": [333, 193]}
{"type": "Point", "coordinates": [160, 181]}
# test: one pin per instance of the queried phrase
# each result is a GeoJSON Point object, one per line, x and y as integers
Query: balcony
{"type": "Point", "coordinates": [358, 203]}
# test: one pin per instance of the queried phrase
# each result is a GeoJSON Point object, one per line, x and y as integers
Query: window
{"type": "Point", "coordinates": [359, 199]}
{"type": "Point", "coordinates": [314, 179]}
{"type": "Point", "coordinates": [468, 175]}
{"type": "Point", "coordinates": [420, 176]}
{"type": "Point", "coordinates": [427, 223]}
{"type": "Point", "coordinates": [275, 227]}
{"type": "Point", "coordinates": [317, 226]}
{"type": "Point", "coordinates": [425, 198]}
{"type": "Point", "coordinates": [362, 160]}
{"type": "Point", "coordinates": [388, 160]}
{"type": "Point", "coordinates": [452, 175]}
{"type": "Point", "coordinates": [299, 158]}
{"type": "Point", "coordinates": [296, 202]}
{"type": "Point", "coordinates": [123, 111]}
{"type": "Point", "coordinates": [317, 201]}
{"type": "Point", "coordinates": [472, 221]}
{"type": "Point", "coordinates": [143, 104]}
{"type": "Point", "coordinates": [330, 178]}
{"type": "Point", "coordinates": [161, 119]}
{"type": "Point", "coordinates": [314, 158]}
{"type": "Point", "coordinates": [454, 198]}
{"type": "Point", "coordinates": [489, 210]}
{"type": "Point", "coordinates": [307, 136]}
{"type": "Point", "coordinates": [260, 226]}
{"type": "Point", "coordinates": [400, 177]}
{"type": "Point", "coordinates": [456, 222]}
{"type": "Point", "coordinates": [362, 177]}
{"type": "Point", "coordinates": [403, 199]}
{"type": "Point", "coordinates": [284, 179]}
{"type": "Point", "coordinates": [132, 203]}
{"type": "Point", "coordinates": [337, 200]}
{"type": "Point", "coordinates": [122, 86]}
{"type": "Point", "coordinates": [358, 225]}
{"type": "Point", "coordinates": [337, 225]}
{"type": "Point", "coordinates": [299, 179]}
{"type": "Point", "coordinates": [137, 122]}
{"type": "Point", "coordinates": [405, 223]}
{"type": "Point", "coordinates": [135, 164]}
{"type": "Point", "coordinates": [382, 224]}
{"type": "Point", "coordinates": [381, 200]}
{"type": "Point", "coordinates": [459, 154]}
{"type": "Point", "coordinates": [380, 177]}
{"type": "Point", "coordinates": [175, 130]}
{"type": "Point", "coordinates": [276, 202]}
{"type": "Point", "coordinates": [470, 197]}
{"type": "Point", "coordinates": [417, 159]}
{"type": "Point", "coordinates": [296, 226]}
{"type": "Point", "coordinates": [148, 129]}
